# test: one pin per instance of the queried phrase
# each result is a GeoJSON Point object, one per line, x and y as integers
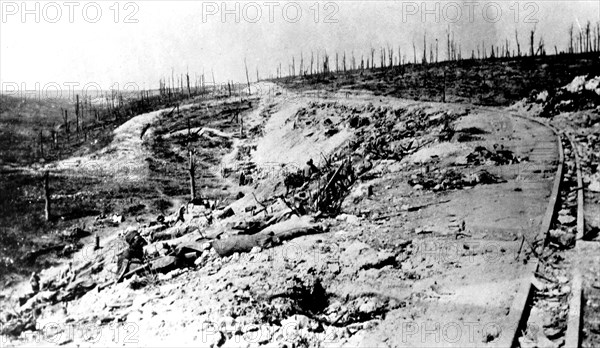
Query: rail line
{"type": "Point", "coordinates": [525, 296]}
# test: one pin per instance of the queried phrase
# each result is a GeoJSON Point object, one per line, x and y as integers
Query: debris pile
{"type": "Point", "coordinates": [449, 179]}
{"type": "Point", "coordinates": [498, 156]}
{"type": "Point", "coordinates": [588, 142]}
{"type": "Point", "coordinates": [380, 133]}
{"type": "Point", "coordinates": [581, 93]}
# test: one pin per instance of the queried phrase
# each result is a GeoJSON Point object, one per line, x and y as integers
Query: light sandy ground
{"type": "Point", "coordinates": [123, 159]}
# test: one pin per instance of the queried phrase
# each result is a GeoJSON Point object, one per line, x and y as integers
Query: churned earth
{"type": "Point", "coordinates": [429, 248]}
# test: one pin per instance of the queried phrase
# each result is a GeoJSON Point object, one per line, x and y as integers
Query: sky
{"type": "Point", "coordinates": [132, 44]}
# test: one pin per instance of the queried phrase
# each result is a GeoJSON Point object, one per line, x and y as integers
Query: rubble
{"type": "Point", "coordinates": [497, 156]}
{"type": "Point", "coordinates": [581, 93]}
{"type": "Point", "coordinates": [594, 183]}
{"type": "Point", "coordinates": [449, 179]}
{"type": "Point", "coordinates": [16, 326]}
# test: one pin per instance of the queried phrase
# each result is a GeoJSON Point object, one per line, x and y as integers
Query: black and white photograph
{"type": "Point", "coordinates": [300, 174]}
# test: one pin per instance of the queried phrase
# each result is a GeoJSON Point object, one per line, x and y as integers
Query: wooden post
{"type": "Point", "coordinates": [241, 127]}
{"type": "Point", "coordinates": [46, 196]}
{"type": "Point", "coordinates": [192, 178]}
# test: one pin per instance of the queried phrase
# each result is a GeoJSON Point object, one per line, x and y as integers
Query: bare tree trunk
{"type": "Point", "coordinates": [247, 77]}
{"type": "Point", "coordinates": [484, 50]}
{"type": "Point", "coordinates": [444, 88]}
{"type": "Point", "coordinates": [448, 43]}
{"type": "Point", "coordinates": [431, 59]}
{"type": "Point", "coordinates": [241, 127]}
{"type": "Point", "coordinates": [372, 58]}
{"type": "Point", "coordinates": [41, 144]}
{"type": "Point", "coordinates": [587, 37]}
{"type": "Point", "coordinates": [192, 177]}
{"type": "Point", "coordinates": [531, 41]}
{"type": "Point", "coordinates": [424, 48]}
{"type": "Point", "coordinates": [47, 196]}
{"type": "Point", "coordinates": [77, 114]}
{"type": "Point", "coordinates": [66, 118]}
{"type": "Point", "coordinates": [399, 56]}
{"type": "Point", "coordinates": [54, 139]}
{"type": "Point", "coordinates": [187, 76]}
{"type": "Point", "coordinates": [318, 63]}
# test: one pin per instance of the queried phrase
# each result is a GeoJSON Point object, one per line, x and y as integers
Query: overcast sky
{"type": "Point", "coordinates": [74, 42]}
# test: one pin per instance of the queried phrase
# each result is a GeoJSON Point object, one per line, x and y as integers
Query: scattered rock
{"type": "Point", "coordinates": [566, 219]}
{"type": "Point", "coordinates": [594, 184]}
{"type": "Point", "coordinates": [118, 218]}
{"type": "Point", "coordinates": [493, 332]}
{"type": "Point", "coordinates": [351, 219]}
{"type": "Point", "coordinates": [562, 238]}
{"type": "Point", "coordinates": [382, 259]}
{"type": "Point", "coordinates": [225, 213]}
{"type": "Point", "coordinates": [216, 339]}
{"type": "Point", "coordinates": [553, 332]}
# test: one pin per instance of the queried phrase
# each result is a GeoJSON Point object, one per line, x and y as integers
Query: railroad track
{"type": "Point", "coordinates": [574, 322]}
{"type": "Point", "coordinates": [528, 294]}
